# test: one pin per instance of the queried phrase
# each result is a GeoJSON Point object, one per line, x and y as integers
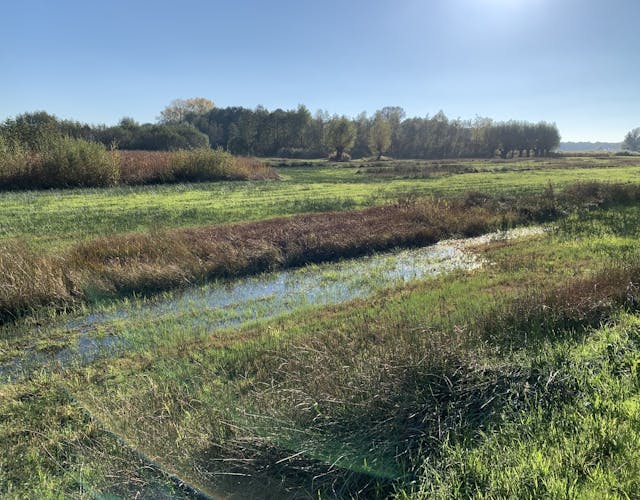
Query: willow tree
{"type": "Point", "coordinates": [379, 135]}
{"type": "Point", "coordinates": [340, 135]}
{"type": "Point", "coordinates": [632, 140]}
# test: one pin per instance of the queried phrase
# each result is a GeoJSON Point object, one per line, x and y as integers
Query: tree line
{"type": "Point", "coordinates": [297, 133]}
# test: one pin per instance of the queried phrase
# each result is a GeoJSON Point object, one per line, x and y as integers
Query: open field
{"type": "Point", "coordinates": [499, 367]}
{"type": "Point", "coordinates": [55, 219]}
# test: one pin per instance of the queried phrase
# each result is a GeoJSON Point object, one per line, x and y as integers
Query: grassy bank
{"type": "Point", "coordinates": [149, 263]}
{"type": "Point", "coordinates": [409, 393]}
{"type": "Point", "coordinates": [519, 379]}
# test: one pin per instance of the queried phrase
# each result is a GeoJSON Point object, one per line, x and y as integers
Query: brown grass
{"type": "Point", "coordinates": [155, 167]}
{"type": "Point", "coordinates": [143, 167]}
{"type": "Point", "coordinates": [152, 262]}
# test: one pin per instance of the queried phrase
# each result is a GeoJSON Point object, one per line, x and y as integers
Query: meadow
{"type": "Point", "coordinates": [54, 219]}
{"type": "Point", "coordinates": [516, 376]}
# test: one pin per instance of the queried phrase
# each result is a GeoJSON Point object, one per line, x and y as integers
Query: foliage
{"type": "Point", "coordinates": [64, 162]}
{"type": "Point", "coordinates": [340, 135]}
{"type": "Point", "coordinates": [379, 136]}
{"type": "Point", "coordinates": [179, 109]}
{"type": "Point", "coordinates": [34, 131]}
{"type": "Point", "coordinates": [632, 140]}
{"type": "Point", "coordinates": [298, 134]}
{"type": "Point", "coordinates": [171, 137]}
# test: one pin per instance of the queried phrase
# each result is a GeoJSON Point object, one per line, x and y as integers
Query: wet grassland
{"type": "Point", "coordinates": [505, 366]}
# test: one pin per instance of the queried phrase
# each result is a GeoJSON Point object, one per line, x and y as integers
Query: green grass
{"type": "Point", "coordinates": [574, 435]}
{"type": "Point", "coordinates": [517, 380]}
{"type": "Point", "coordinates": [51, 220]}
{"type": "Point", "coordinates": [249, 408]}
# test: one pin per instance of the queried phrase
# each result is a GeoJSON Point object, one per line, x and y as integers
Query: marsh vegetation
{"type": "Point", "coordinates": [248, 338]}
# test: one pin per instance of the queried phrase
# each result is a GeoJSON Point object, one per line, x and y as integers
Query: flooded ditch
{"type": "Point", "coordinates": [232, 304]}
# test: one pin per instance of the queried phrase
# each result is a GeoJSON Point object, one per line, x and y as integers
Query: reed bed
{"type": "Point", "coordinates": [67, 163]}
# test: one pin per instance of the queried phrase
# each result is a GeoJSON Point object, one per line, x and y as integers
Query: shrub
{"type": "Point", "coordinates": [344, 157]}
{"type": "Point", "coordinates": [29, 281]}
{"type": "Point", "coordinates": [76, 162]}
{"type": "Point", "coordinates": [15, 162]}
{"type": "Point", "coordinates": [64, 162]}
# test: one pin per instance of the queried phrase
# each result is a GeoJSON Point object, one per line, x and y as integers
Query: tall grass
{"type": "Point", "coordinates": [196, 165]}
{"type": "Point", "coordinates": [149, 263]}
{"type": "Point", "coordinates": [63, 162]}
{"type": "Point", "coordinates": [387, 396]}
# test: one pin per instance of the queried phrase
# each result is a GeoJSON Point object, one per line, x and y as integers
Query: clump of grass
{"type": "Point", "coordinates": [202, 164]}
{"type": "Point", "coordinates": [30, 281]}
{"type": "Point", "coordinates": [579, 445]}
{"type": "Point", "coordinates": [143, 167]}
{"type": "Point", "coordinates": [196, 165]}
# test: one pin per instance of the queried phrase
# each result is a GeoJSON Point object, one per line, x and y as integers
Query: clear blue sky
{"type": "Point", "coordinates": [575, 62]}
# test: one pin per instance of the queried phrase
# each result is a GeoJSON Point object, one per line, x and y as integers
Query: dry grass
{"type": "Point", "coordinates": [152, 262]}
{"type": "Point", "coordinates": [155, 167]}
{"type": "Point", "coordinates": [143, 167]}
{"type": "Point", "coordinates": [75, 163]}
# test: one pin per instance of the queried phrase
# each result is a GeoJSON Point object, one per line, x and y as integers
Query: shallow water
{"type": "Point", "coordinates": [221, 305]}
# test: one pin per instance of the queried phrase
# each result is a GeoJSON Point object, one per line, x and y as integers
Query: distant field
{"type": "Point", "coordinates": [57, 218]}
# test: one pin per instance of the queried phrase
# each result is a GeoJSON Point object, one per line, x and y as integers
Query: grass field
{"type": "Point", "coordinates": [55, 219]}
{"type": "Point", "coordinates": [518, 378]}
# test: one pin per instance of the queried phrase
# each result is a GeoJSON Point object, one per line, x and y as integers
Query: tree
{"type": "Point", "coordinates": [31, 130]}
{"type": "Point", "coordinates": [632, 140]}
{"type": "Point", "coordinates": [394, 115]}
{"type": "Point", "coordinates": [379, 135]}
{"type": "Point", "coordinates": [341, 135]}
{"type": "Point", "coordinates": [547, 138]}
{"type": "Point", "coordinates": [180, 109]}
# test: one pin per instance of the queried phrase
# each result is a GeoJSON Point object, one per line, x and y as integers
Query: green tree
{"type": "Point", "coordinates": [632, 140]}
{"type": "Point", "coordinates": [341, 135]}
{"type": "Point", "coordinates": [379, 135]}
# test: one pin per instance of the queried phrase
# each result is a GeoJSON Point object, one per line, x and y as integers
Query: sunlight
{"type": "Point", "coordinates": [503, 3]}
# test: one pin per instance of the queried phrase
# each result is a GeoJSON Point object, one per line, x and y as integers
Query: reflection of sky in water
{"type": "Point", "coordinates": [222, 305]}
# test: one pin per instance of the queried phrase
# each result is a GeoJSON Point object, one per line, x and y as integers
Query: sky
{"type": "Point", "coordinates": [572, 62]}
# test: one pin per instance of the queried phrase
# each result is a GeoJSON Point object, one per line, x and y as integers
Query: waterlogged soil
{"type": "Point", "coordinates": [176, 317]}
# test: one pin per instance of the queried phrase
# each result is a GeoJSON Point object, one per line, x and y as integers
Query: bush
{"type": "Point", "coordinates": [64, 162]}
{"type": "Point", "coordinates": [203, 164]}
{"type": "Point", "coordinates": [15, 162]}
{"type": "Point", "coordinates": [163, 137]}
